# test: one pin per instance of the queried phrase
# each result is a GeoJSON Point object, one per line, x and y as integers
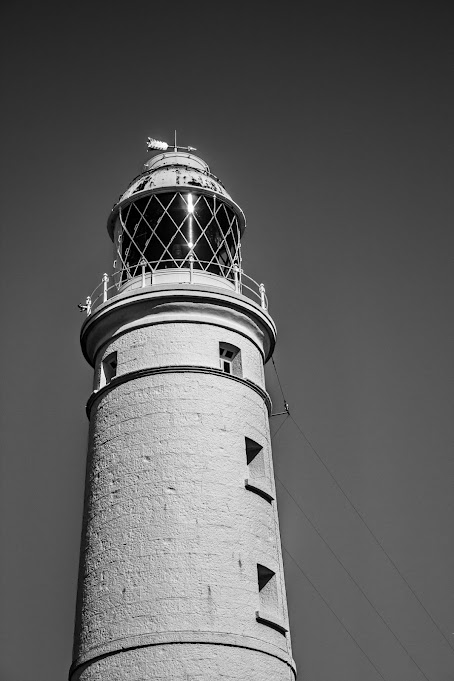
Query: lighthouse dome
{"type": "Point", "coordinates": [176, 216]}
{"type": "Point", "coordinates": [178, 171]}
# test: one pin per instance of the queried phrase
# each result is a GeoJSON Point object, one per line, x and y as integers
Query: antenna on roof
{"type": "Point", "coordinates": [153, 144]}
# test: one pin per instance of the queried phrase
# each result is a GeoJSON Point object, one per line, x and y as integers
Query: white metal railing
{"type": "Point", "coordinates": [111, 286]}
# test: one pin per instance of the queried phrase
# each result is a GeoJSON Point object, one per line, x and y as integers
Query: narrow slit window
{"type": "Point", "coordinates": [264, 575]}
{"type": "Point", "coordinates": [255, 459]}
{"type": "Point", "coordinates": [230, 359]}
{"type": "Point", "coordinates": [108, 368]}
{"type": "Point", "coordinates": [269, 600]}
{"type": "Point", "coordinates": [257, 478]}
{"type": "Point", "coordinates": [267, 589]}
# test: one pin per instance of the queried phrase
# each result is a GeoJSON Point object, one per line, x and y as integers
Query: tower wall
{"type": "Point", "coordinates": [194, 662]}
{"type": "Point", "coordinates": [176, 521]}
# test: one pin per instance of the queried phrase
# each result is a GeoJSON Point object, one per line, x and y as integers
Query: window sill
{"type": "Point", "coordinates": [258, 490]}
{"type": "Point", "coordinates": [271, 622]}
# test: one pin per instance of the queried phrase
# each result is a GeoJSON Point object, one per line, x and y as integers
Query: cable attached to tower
{"type": "Point", "coordinates": [357, 512]}
{"type": "Point", "coordinates": [286, 405]}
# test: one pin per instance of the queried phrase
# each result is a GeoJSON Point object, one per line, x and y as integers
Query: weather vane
{"type": "Point", "coordinates": [163, 146]}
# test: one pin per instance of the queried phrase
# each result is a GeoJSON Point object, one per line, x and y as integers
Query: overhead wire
{"type": "Point", "coordinates": [355, 509]}
{"type": "Point", "coordinates": [278, 429]}
{"type": "Point", "coordinates": [278, 380]}
{"type": "Point", "coordinates": [335, 614]}
{"type": "Point", "coordinates": [314, 527]}
{"type": "Point", "coordinates": [377, 541]}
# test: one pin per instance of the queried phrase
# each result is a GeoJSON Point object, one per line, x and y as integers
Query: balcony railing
{"type": "Point", "coordinates": [144, 275]}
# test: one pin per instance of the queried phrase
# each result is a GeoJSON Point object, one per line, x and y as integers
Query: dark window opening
{"type": "Point", "coordinates": [268, 596]}
{"type": "Point", "coordinates": [255, 459]}
{"type": "Point", "coordinates": [230, 359]}
{"type": "Point", "coordinates": [226, 366]}
{"type": "Point", "coordinates": [264, 575]}
{"type": "Point", "coordinates": [108, 368]}
{"type": "Point", "coordinates": [257, 480]}
{"type": "Point", "coordinates": [252, 449]}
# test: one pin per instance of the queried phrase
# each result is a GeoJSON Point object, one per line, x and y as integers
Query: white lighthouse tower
{"type": "Point", "coordinates": [181, 573]}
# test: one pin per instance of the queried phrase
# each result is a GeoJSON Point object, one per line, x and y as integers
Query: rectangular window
{"type": "Point", "coordinates": [226, 366]}
{"type": "Point", "coordinates": [230, 359]}
{"type": "Point", "coordinates": [108, 368]}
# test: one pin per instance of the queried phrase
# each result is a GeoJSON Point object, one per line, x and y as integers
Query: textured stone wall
{"type": "Point", "coordinates": [181, 344]}
{"type": "Point", "coordinates": [189, 663]}
{"type": "Point", "coordinates": [168, 586]}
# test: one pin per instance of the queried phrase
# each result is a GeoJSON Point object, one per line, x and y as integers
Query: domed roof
{"type": "Point", "coordinates": [175, 171]}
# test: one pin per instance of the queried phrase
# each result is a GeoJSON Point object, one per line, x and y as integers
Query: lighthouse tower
{"type": "Point", "coordinates": [181, 573]}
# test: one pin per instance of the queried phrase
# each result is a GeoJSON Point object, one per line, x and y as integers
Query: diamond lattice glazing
{"type": "Point", "coordinates": [169, 229]}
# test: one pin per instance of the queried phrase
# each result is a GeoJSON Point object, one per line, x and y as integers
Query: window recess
{"type": "Point", "coordinates": [108, 368]}
{"type": "Point", "coordinates": [253, 449]}
{"type": "Point", "coordinates": [268, 598]}
{"type": "Point", "coordinates": [230, 359]}
{"type": "Point", "coordinates": [256, 481]}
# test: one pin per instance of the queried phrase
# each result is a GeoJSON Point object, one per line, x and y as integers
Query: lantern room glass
{"type": "Point", "coordinates": [173, 229]}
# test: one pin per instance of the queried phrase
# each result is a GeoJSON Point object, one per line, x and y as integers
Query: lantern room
{"type": "Point", "coordinates": [176, 221]}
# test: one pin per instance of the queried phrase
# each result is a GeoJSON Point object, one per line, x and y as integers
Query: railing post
{"type": "Point", "coordinates": [151, 275]}
{"type": "Point", "coordinates": [105, 279]}
{"type": "Point", "coordinates": [143, 264]}
{"type": "Point", "coordinates": [191, 269]}
{"type": "Point", "coordinates": [236, 275]}
{"type": "Point", "coordinates": [262, 296]}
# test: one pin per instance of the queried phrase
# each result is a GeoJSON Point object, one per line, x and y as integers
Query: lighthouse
{"type": "Point", "coordinates": [181, 574]}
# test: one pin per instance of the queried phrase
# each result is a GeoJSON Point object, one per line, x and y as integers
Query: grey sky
{"type": "Point", "coordinates": [331, 126]}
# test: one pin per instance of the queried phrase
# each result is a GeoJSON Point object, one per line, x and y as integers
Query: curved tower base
{"type": "Point", "coordinates": [184, 662]}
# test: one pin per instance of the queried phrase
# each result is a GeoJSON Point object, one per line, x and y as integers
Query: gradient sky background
{"type": "Point", "coordinates": [331, 124]}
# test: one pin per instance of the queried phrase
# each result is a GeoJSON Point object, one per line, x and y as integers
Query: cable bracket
{"type": "Point", "coordinates": [286, 410]}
